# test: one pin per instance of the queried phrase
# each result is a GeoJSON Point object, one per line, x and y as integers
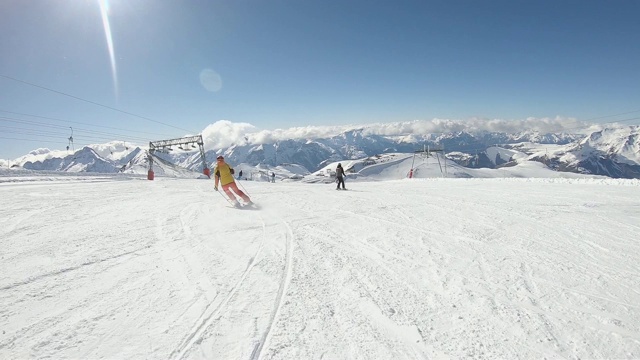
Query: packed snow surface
{"type": "Point", "coordinates": [121, 267]}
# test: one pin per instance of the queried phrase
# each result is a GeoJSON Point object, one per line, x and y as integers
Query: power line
{"type": "Point", "coordinates": [94, 103]}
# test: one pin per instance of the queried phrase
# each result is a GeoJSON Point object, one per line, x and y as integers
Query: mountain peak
{"type": "Point", "coordinates": [570, 152]}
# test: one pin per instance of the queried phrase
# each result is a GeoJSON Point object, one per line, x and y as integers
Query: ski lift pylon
{"type": "Point", "coordinates": [71, 141]}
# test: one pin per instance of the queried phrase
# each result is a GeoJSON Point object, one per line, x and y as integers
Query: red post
{"type": "Point", "coordinates": [150, 175]}
{"type": "Point", "coordinates": [411, 174]}
{"type": "Point", "coordinates": [207, 172]}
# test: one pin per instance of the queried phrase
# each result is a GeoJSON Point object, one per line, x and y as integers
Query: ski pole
{"type": "Point", "coordinates": [244, 190]}
{"type": "Point", "coordinates": [228, 200]}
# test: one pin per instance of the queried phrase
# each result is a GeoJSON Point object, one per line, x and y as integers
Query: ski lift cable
{"type": "Point", "coordinates": [30, 140]}
{"type": "Point", "coordinates": [84, 141]}
{"type": "Point", "coordinates": [87, 133]}
{"type": "Point", "coordinates": [94, 103]}
{"type": "Point", "coordinates": [83, 130]}
{"type": "Point", "coordinates": [56, 135]}
{"type": "Point", "coordinates": [45, 133]}
{"type": "Point", "coordinates": [80, 123]}
{"type": "Point", "coordinates": [159, 122]}
{"type": "Point", "coordinates": [11, 130]}
{"type": "Point", "coordinates": [608, 116]}
{"type": "Point", "coordinates": [71, 141]}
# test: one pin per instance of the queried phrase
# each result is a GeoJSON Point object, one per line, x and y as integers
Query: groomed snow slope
{"type": "Point", "coordinates": [431, 268]}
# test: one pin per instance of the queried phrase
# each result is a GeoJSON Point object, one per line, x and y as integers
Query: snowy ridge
{"type": "Point", "coordinates": [612, 151]}
{"type": "Point", "coordinates": [623, 144]}
{"type": "Point", "coordinates": [396, 166]}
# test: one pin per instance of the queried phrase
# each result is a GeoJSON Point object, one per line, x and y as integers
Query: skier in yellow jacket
{"type": "Point", "coordinates": [223, 173]}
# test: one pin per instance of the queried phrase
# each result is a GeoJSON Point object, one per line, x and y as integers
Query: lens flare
{"type": "Point", "coordinates": [210, 80]}
{"type": "Point", "coordinates": [104, 11]}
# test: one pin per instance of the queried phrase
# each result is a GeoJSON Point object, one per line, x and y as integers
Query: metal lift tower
{"type": "Point", "coordinates": [426, 153]}
{"type": "Point", "coordinates": [165, 145]}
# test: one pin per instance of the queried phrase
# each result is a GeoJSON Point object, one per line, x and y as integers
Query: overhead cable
{"type": "Point", "coordinates": [94, 103]}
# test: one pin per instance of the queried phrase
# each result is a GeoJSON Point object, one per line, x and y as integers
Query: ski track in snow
{"type": "Point", "coordinates": [286, 278]}
{"type": "Point", "coordinates": [400, 269]}
{"type": "Point", "coordinates": [212, 312]}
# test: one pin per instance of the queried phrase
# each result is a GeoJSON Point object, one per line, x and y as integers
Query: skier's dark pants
{"type": "Point", "coordinates": [340, 181]}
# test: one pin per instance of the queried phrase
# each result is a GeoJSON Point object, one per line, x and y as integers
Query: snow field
{"type": "Point", "coordinates": [483, 268]}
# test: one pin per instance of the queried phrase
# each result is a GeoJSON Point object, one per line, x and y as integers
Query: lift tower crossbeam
{"type": "Point", "coordinates": [426, 151]}
{"type": "Point", "coordinates": [162, 145]}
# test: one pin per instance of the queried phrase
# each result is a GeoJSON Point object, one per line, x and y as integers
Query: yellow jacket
{"type": "Point", "coordinates": [224, 172]}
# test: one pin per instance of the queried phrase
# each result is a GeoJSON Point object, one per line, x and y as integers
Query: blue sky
{"type": "Point", "coordinates": [183, 65]}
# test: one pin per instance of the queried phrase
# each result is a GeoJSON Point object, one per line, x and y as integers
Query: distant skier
{"type": "Point", "coordinates": [273, 177]}
{"type": "Point", "coordinates": [224, 174]}
{"type": "Point", "coordinates": [240, 175]}
{"type": "Point", "coordinates": [340, 176]}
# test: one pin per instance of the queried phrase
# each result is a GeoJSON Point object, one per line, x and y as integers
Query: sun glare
{"type": "Point", "coordinates": [104, 11]}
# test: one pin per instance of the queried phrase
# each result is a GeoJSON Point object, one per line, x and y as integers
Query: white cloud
{"type": "Point", "coordinates": [40, 151]}
{"type": "Point", "coordinates": [41, 154]}
{"type": "Point", "coordinates": [225, 133]}
{"type": "Point", "coordinates": [421, 127]}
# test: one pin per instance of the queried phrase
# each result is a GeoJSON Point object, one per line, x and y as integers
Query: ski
{"type": "Point", "coordinates": [251, 206]}
{"type": "Point", "coordinates": [245, 206]}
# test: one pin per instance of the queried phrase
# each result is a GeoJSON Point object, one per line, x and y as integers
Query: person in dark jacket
{"type": "Point", "coordinates": [340, 177]}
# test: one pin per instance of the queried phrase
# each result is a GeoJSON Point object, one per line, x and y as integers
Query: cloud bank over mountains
{"type": "Point", "coordinates": [568, 145]}
{"type": "Point", "coordinates": [224, 133]}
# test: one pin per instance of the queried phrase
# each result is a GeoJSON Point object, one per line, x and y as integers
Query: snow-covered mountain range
{"type": "Point", "coordinates": [613, 151]}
